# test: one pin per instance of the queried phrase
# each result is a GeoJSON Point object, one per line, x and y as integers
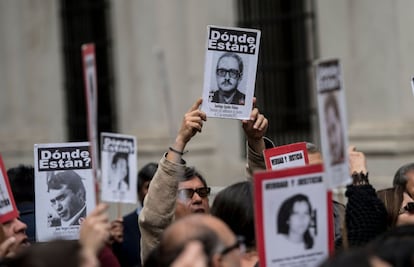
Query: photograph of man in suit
{"type": "Point", "coordinates": [67, 196]}
{"type": "Point", "coordinates": [229, 72]}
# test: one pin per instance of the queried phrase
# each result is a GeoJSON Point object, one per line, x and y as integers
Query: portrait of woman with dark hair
{"type": "Point", "coordinates": [294, 221]}
{"type": "Point", "coordinates": [119, 179]}
{"type": "Point", "coordinates": [334, 129]}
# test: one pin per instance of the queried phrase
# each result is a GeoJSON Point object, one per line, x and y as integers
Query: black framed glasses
{"type": "Point", "coordinates": [233, 73]}
{"type": "Point", "coordinates": [407, 208]}
{"type": "Point", "coordinates": [238, 245]}
{"type": "Point", "coordinates": [186, 193]}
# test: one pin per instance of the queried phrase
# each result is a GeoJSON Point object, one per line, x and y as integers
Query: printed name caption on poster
{"type": "Point", "coordinates": [232, 41]}
{"type": "Point", "coordinates": [290, 158]}
{"type": "Point", "coordinates": [64, 158]}
{"type": "Point", "coordinates": [112, 144]}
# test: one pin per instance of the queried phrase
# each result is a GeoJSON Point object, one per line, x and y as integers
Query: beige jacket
{"type": "Point", "coordinates": [159, 204]}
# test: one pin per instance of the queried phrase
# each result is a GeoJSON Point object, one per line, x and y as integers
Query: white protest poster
{"type": "Point", "coordinates": [287, 156]}
{"type": "Point", "coordinates": [230, 72]}
{"type": "Point", "coordinates": [119, 168]}
{"type": "Point", "coordinates": [64, 189]}
{"type": "Point", "coordinates": [333, 122]}
{"type": "Point", "coordinates": [91, 94]}
{"type": "Point", "coordinates": [294, 220]}
{"type": "Point", "coordinates": [8, 210]}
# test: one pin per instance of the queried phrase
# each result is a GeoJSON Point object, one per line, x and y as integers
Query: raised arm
{"type": "Point", "coordinates": [159, 204]}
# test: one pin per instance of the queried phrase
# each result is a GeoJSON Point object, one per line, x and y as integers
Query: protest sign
{"type": "Point", "coordinates": [230, 72]}
{"type": "Point", "coordinates": [64, 189]}
{"type": "Point", "coordinates": [294, 220]}
{"type": "Point", "coordinates": [119, 168]}
{"type": "Point", "coordinates": [8, 210]}
{"type": "Point", "coordinates": [332, 122]}
{"type": "Point", "coordinates": [287, 156]}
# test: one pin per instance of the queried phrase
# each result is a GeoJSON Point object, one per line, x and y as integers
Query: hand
{"type": "Point", "coordinates": [357, 161]}
{"type": "Point", "coordinates": [117, 231]}
{"type": "Point", "coordinates": [94, 230]}
{"type": "Point", "coordinates": [192, 256]}
{"type": "Point", "coordinates": [255, 129]}
{"type": "Point", "coordinates": [7, 248]}
{"type": "Point", "coordinates": [192, 123]}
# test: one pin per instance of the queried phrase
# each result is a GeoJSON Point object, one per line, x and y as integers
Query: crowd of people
{"type": "Point", "coordinates": [175, 225]}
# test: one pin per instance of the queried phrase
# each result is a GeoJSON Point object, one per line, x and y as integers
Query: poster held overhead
{"type": "Point", "coordinates": [119, 168]}
{"type": "Point", "coordinates": [287, 156]}
{"type": "Point", "coordinates": [64, 189]}
{"type": "Point", "coordinates": [294, 220]}
{"type": "Point", "coordinates": [332, 122]}
{"type": "Point", "coordinates": [230, 72]}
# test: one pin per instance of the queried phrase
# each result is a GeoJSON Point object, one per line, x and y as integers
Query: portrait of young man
{"type": "Point", "coordinates": [67, 197]}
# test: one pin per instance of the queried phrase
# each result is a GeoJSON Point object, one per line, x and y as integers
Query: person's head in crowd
{"type": "Point", "coordinates": [48, 254]}
{"type": "Point", "coordinates": [16, 229]}
{"type": "Point", "coordinates": [21, 180]}
{"type": "Point", "coordinates": [221, 246]}
{"type": "Point", "coordinates": [67, 194]}
{"type": "Point", "coordinates": [314, 154]}
{"type": "Point", "coordinates": [404, 176]}
{"type": "Point", "coordinates": [120, 170]}
{"type": "Point", "coordinates": [395, 247]}
{"type": "Point", "coordinates": [399, 206]}
{"type": "Point", "coordinates": [294, 220]}
{"type": "Point", "coordinates": [360, 257]}
{"type": "Point", "coordinates": [234, 206]}
{"type": "Point", "coordinates": [229, 71]}
{"type": "Point", "coordinates": [144, 178]}
{"type": "Point", "coordinates": [193, 194]}
{"type": "Point", "coordinates": [334, 129]}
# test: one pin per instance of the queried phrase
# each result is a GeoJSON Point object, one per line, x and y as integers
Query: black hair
{"type": "Point", "coordinates": [285, 212]}
{"type": "Point", "coordinates": [21, 180]}
{"type": "Point", "coordinates": [234, 206]}
{"type": "Point", "coordinates": [395, 246]}
{"type": "Point", "coordinates": [70, 178]}
{"type": "Point", "coordinates": [122, 155]}
{"type": "Point", "coordinates": [190, 173]}
{"type": "Point", "coordinates": [146, 174]}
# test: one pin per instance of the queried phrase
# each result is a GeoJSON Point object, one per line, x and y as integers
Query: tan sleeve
{"type": "Point", "coordinates": [255, 160]}
{"type": "Point", "coordinates": [159, 205]}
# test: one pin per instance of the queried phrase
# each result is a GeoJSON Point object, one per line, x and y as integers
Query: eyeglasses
{"type": "Point", "coordinates": [407, 208]}
{"type": "Point", "coordinates": [233, 73]}
{"type": "Point", "coordinates": [189, 192]}
{"type": "Point", "coordinates": [239, 244]}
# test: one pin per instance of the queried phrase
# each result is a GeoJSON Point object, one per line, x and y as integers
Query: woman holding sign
{"type": "Point", "coordinates": [294, 220]}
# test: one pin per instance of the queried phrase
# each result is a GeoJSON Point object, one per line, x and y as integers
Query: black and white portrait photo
{"type": "Point", "coordinates": [229, 73]}
{"type": "Point", "coordinates": [67, 196]}
{"type": "Point", "coordinates": [295, 222]}
{"type": "Point", "coordinates": [119, 179]}
{"type": "Point", "coordinates": [334, 130]}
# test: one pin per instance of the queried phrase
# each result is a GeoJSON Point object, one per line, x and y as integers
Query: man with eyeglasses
{"type": "Point", "coordinates": [229, 72]}
{"type": "Point", "coordinates": [177, 190]}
